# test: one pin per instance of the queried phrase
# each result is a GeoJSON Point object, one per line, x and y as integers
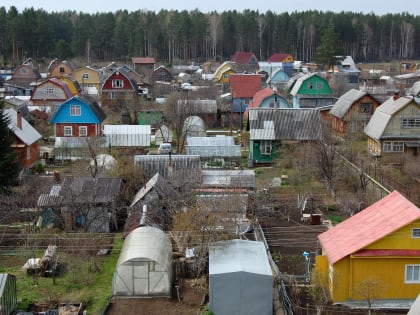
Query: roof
{"type": "Point", "coordinates": [373, 223]}
{"type": "Point", "coordinates": [27, 134]}
{"type": "Point", "coordinates": [415, 89]}
{"type": "Point", "coordinates": [221, 146]}
{"type": "Point", "coordinates": [278, 57]}
{"type": "Point", "coordinates": [238, 256]}
{"type": "Point", "coordinates": [345, 102]}
{"type": "Point", "coordinates": [244, 85]}
{"type": "Point", "coordinates": [242, 57]}
{"type": "Point", "coordinates": [228, 178]}
{"type": "Point", "coordinates": [143, 60]}
{"type": "Point", "coordinates": [147, 242]}
{"type": "Point", "coordinates": [62, 84]}
{"type": "Point", "coordinates": [261, 95]}
{"type": "Point", "coordinates": [197, 106]}
{"type": "Point", "coordinates": [301, 80]}
{"type": "Point", "coordinates": [383, 115]}
{"type": "Point", "coordinates": [128, 135]}
{"type": "Point", "coordinates": [289, 124]}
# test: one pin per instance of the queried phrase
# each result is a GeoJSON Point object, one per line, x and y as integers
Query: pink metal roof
{"type": "Point", "coordinates": [371, 224]}
{"type": "Point", "coordinates": [258, 98]}
{"type": "Point", "coordinates": [143, 60]}
{"type": "Point", "coordinates": [244, 85]}
{"type": "Point", "coordinates": [242, 57]}
{"type": "Point", "coordinates": [278, 57]}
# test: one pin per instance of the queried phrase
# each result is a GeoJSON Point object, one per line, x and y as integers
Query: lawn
{"type": "Point", "coordinates": [85, 277]}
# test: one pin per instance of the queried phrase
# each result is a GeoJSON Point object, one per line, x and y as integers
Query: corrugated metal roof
{"type": "Point", "coordinates": [219, 146]}
{"type": "Point", "coordinates": [128, 135]}
{"type": "Point", "coordinates": [373, 223]}
{"type": "Point", "coordinates": [228, 178]}
{"type": "Point", "coordinates": [27, 134]}
{"type": "Point", "coordinates": [288, 124]}
{"type": "Point", "coordinates": [344, 103]}
{"type": "Point", "coordinates": [197, 106]}
{"type": "Point", "coordinates": [383, 115]}
{"type": "Point", "coordinates": [238, 256]}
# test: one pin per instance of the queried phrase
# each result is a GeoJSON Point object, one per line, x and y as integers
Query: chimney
{"type": "Point", "coordinates": [19, 119]}
{"type": "Point", "coordinates": [396, 95]}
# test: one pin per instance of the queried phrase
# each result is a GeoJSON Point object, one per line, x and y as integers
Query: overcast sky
{"type": "Point", "coordinates": [378, 7]}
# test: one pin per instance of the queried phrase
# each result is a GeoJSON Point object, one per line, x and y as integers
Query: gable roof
{"type": "Point", "coordinates": [63, 85]}
{"type": "Point", "coordinates": [301, 80]}
{"type": "Point", "coordinates": [289, 124]}
{"type": "Point", "coordinates": [27, 134]}
{"type": "Point", "coordinates": [123, 71]}
{"type": "Point", "coordinates": [278, 57]}
{"type": "Point", "coordinates": [373, 223]}
{"type": "Point", "coordinates": [259, 97]}
{"type": "Point", "coordinates": [143, 60]}
{"type": "Point", "coordinates": [244, 85]}
{"type": "Point", "coordinates": [344, 103]}
{"type": "Point", "coordinates": [242, 57]}
{"type": "Point", "coordinates": [85, 99]}
{"type": "Point", "coordinates": [383, 115]}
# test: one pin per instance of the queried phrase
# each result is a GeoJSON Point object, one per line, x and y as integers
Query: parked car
{"type": "Point", "coordinates": [165, 148]}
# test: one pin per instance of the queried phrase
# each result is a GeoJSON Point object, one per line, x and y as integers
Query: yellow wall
{"type": "Point", "coordinates": [93, 77]}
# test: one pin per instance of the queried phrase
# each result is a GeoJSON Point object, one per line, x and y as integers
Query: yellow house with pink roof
{"type": "Point", "coordinates": [377, 248]}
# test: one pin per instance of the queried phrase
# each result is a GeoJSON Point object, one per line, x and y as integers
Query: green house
{"type": "Point", "coordinates": [311, 91]}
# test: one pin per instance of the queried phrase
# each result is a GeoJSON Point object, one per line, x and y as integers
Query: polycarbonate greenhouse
{"type": "Point", "coordinates": [144, 267]}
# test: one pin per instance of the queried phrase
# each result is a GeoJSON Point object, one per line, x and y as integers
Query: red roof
{"type": "Point", "coordinates": [258, 98]}
{"type": "Point", "coordinates": [244, 85]}
{"type": "Point", "coordinates": [242, 57]}
{"type": "Point", "coordinates": [370, 225]}
{"type": "Point", "coordinates": [63, 85]}
{"type": "Point", "coordinates": [278, 57]}
{"type": "Point", "coordinates": [143, 60]}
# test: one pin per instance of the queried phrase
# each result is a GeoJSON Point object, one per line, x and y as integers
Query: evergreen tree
{"type": "Point", "coordinates": [330, 48]}
{"type": "Point", "coordinates": [9, 167]}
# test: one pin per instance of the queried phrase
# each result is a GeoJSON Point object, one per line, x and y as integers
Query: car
{"type": "Point", "coordinates": [165, 148]}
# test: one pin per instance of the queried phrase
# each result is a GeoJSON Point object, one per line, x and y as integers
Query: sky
{"type": "Point", "coordinates": [378, 7]}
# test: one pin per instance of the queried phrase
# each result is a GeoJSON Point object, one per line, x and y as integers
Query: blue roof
{"type": "Point", "coordinates": [90, 111]}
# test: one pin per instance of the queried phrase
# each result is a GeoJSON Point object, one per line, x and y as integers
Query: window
{"type": "Point", "coordinates": [310, 86]}
{"type": "Point", "coordinates": [75, 110]}
{"type": "Point", "coordinates": [410, 123]}
{"type": "Point", "coordinates": [415, 233]}
{"type": "Point", "coordinates": [393, 146]}
{"type": "Point", "coordinates": [319, 85]}
{"type": "Point", "coordinates": [83, 131]}
{"type": "Point", "coordinates": [68, 131]}
{"type": "Point", "coordinates": [117, 84]}
{"type": "Point", "coordinates": [49, 90]}
{"type": "Point", "coordinates": [85, 76]}
{"type": "Point", "coordinates": [265, 147]}
{"type": "Point", "coordinates": [112, 95]}
{"type": "Point", "coordinates": [365, 108]}
{"type": "Point", "coordinates": [28, 153]}
{"type": "Point", "coordinates": [23, 71]}
{"type": "Point", "coordinates": [61, 69]}
{"type": "Point", "coordinates": [412, 273]}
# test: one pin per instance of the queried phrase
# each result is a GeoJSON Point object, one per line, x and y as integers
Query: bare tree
{"type": "Point", "coordinates": [369, 289]}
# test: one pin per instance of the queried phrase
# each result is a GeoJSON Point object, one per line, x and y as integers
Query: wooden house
{"type": "Point", "coordinates": [246, 60]}
{"type": "Point", "coordinates": [223, 72]}
{"type": "Point", "coordinates": [26, 77]}
{"type": "Point", "coordinates": [26, 138]}
{"type": "Point", "coordinates": [267, 98]}
{"type": "Point", "coordinates": [281, 57]}
{"type": "Point", "coordinates": [119, 89]}
{"type": "Point", "coordinates": [377, 248]}
{"type": "Point", "coordinates": [72, 83]}
{"type": "Point", "coordinates": [269, 128]}
{"type": "Point", "coordinates": [162, 74]}
{"type": "Point", "coordinates": [278, 79]}
{"type": "Point", "coordinates": [352, 111]}
{"type": "Point", "coordinates": [89, 80]}
{"type": "Point", "coordinates": [394, 128]}
{"type": "Point", "coordinates": [311, 91]}
{"type": "Point", "coordinates": [58, 68]}
{"type": "Point", "coordinates": [50, 94]}
{"type": "Point", "coordinates": [143, 64]}
{"type": "Point", "coordinates": [344, 75]}
{"type": "Point", "coordinates": [243, 88]}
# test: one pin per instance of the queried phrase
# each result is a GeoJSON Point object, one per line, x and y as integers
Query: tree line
{"type": "Point", "coordinates": [173, 37]}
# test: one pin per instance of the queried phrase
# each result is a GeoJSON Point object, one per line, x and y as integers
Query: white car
{"type": "Point", "coordinates": [165, 148]}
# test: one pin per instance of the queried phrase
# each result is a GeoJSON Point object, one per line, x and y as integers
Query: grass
{"type": "Point", "coordinates": [87, 279]}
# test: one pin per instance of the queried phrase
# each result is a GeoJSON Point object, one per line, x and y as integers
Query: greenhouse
{"type": "Point", "coordinates": [144, 267]}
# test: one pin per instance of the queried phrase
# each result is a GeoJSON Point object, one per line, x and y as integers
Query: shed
{"type": "Point", "coordinates": [128, 135]}
{"type": "Point", "coordinates": [144, 267]}
{"type": "Point", "coordinates": [8, 293]}
{"type": "Point", "coordinates": [194, 127]}
{"type": "Point", "coordinates": [219, 146]}
{"type": "Point", "coordinates": [240, 280]}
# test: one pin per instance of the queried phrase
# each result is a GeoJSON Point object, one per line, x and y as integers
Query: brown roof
{"type": "Point", "coordinates": [143, 60]}
{"type": "Point", "coordinates": [278, 57]}
{"type": "Point", "coordinates": [244, 85]}
{"type": "Point", "coordinates": [370, 225]}
{"type": "Point", "coordinates": [242, 57]}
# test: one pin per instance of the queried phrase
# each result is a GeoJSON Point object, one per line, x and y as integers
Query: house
{"type": "Point", "coordinates": [119, 89]}
{"type": "Point", "coordinates": [50, 94]}
{"type": "Point", "coordinates": [72, 83]}
{"type": "Point", "coordinates": [267, 98]}
{"type": "Point", "coordinates": [8, 294]}
{"type": "Point", "coordinates": [344, 76]}
{"type": "Point", "coordinates": [240, 278]}
{"type": "Point", "coordinates": [266, 68]}
{"type": "Point", "coordinates": [206, 109]}
{"type": "Point", "coordinates": [243, 88]}
{"type": "Point", "coordinates": [77, 119]}
{"type": "Point", "coordinates": [89, 80]}
{"type": "Point", "coordinates": [278, 79]}
{"type": "Point", "coordinates": [219, 151]}
{"type": "Point", "coordinates": [25, 76]}
{"type": "Point", "coordinates": [394, 128]}
{"type": "Point", "coordinates": [352, 112]}
{"type": "Point", "coordinates": [270, 127]}
{"type": "Point", "coordinates": [223, 72]}
{"type": "Point", "coordinates": [246, 60]}
{"type": "Point", "coordinates": [404, 82]}
{"type": "Point", "coordinates": [380, 244]}
{"type": "Point", "coordinates": [311, 91]}
{"type": "Point", "coordinates": [143, 64]}
{"type": "Point", "coordinates": [58, 68]}
{"type": "Point", "coordinates": [26, 138]}
{"type": "Point", "coordinates": [281, 57]}
{"type": "Point", "coordinates": [127, 136]}
{"type": "Point", "coordinates": [161, 74]}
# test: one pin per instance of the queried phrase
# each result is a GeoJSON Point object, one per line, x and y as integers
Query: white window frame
{"type": "Point", "coordinates": [49, 90]}
{"type": "Point", "coordinates": [66, 131]}
{"type": "Point", "coordinates": [117, 84]}
{"type": "Point", "coordinates": [413, 122]}
{"type": "Point", "coordinates": [265, 147]}
{"type": "Point", "coordinates": [393, 146]}
{"type": "Point", "coordinates": [85, 76]}
{"type": "Point", "coordinates": [412, 273]}
{"type": "Point", "coordinates": [112, 95]}
{"type": "Point", "coordinates": [83, 131]}
{"type": "Point", "coordinates": [75, 110]}
{"type": "Point", "coordinates": [415, 233]}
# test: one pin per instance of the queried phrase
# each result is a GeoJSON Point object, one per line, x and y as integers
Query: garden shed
{"type": "Point", "coordinates": [8, 294]}
{"type": "Point", "coordinates": [144, 267]}
{"type": "Point", "coordinates": [240, 280]}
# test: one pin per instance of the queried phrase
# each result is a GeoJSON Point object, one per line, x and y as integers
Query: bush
{"type": "Point", "coordinates": [39, 168]}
